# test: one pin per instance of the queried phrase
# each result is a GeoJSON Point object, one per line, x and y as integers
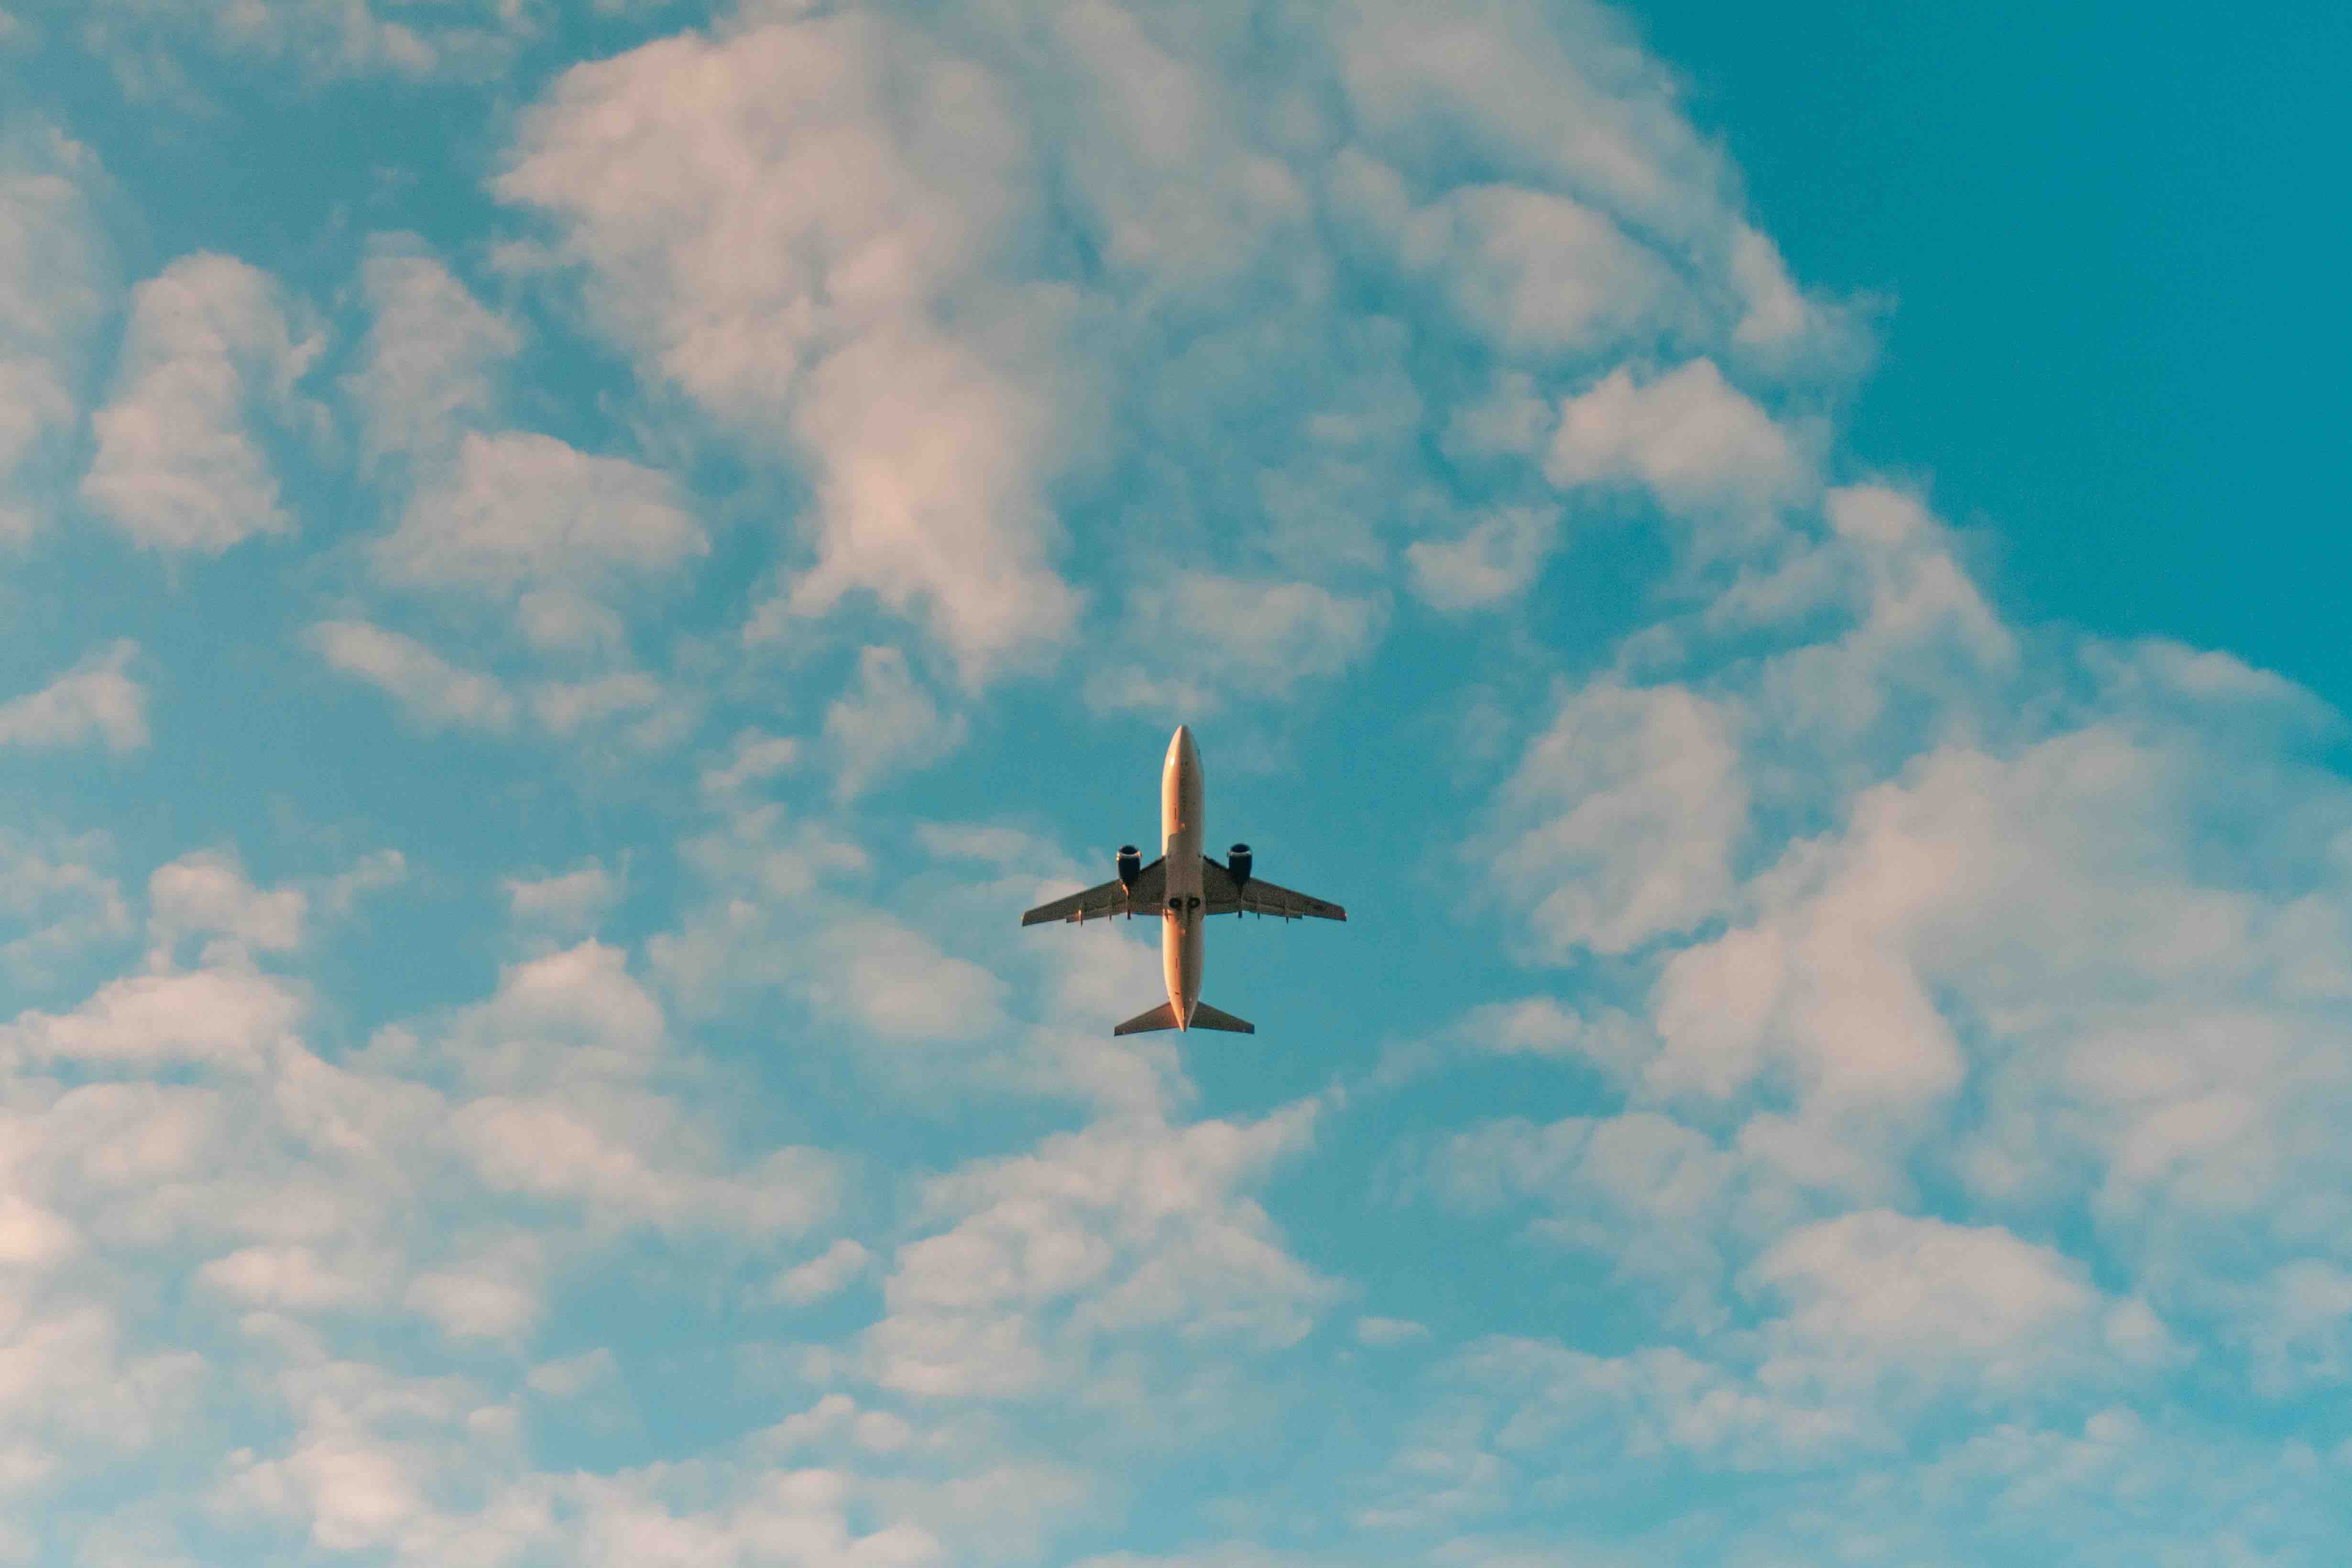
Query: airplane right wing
{"type": "Point", "coordinates": [1110, 899]}
{"type": "Point", "coordinates": [1259, 897]}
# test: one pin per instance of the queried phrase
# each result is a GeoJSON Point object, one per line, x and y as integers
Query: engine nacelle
{"type": "Point", "coordinates": [1237, 861]}
{"type": "Point", "coordinates": [1131, 866]}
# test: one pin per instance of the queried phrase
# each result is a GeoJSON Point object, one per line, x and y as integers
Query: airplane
{"type": "Point", "coordinates": [1182, 887]}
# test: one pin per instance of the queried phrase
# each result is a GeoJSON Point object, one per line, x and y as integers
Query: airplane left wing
{"type": "Point", "coordinates": [1110, 899]}
{"type": "Point", "coordinates": [1258, 896]}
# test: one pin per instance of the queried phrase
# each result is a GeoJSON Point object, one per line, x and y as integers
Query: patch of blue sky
{"type": "Point", "coordinates": [570, 573]}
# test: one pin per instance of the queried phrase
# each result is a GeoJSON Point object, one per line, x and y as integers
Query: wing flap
{"type": "Point", "coordinates": [1259, 897]}
{"type": "Point", "coordinates": [1107, 901]}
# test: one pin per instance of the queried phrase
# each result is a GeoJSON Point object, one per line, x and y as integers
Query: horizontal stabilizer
{"type": "Point", "coordinates": [1160, 1017]}
{"type": "Point", "coordinates": [1203, 1017]}
{"type": "Point", "coordinates": [1207, 1017]}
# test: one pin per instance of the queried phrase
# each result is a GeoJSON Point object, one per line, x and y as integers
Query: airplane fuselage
{"type": "Point", "coordinates": [1180, 937]}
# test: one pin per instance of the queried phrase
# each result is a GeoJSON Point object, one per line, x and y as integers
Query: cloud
{"type": "Point", "coordinates": [1497, 558]}
{"type": "Point", "coordinates": [785, 253]}
{"type": "Point", "coordinates": [206, 893]}
{"type": "Point", "coordinates": [55, 283]}
{"type": "Point", "coordinates": [822, 1276]}
{"type": "Point", "coordinates": [1699, 445]}
{"type": "Point", "coordinates": [1535, 272]}
{"type": "Point", "coordinates": [573, 901]}
{"type": "Point", "coordinates": [520, 509]}
{"type": "Point", "coordinates": [223, 1016]}
{"type": "Point", "coordinates": [1128, 1229]}
{"type": "Point", "coordinates": [892, 980]}
{"type": "Point", "coordinates": [753, 755]}
{"type": "Point", "coordinates": [427, 369]}
{"type": "Point", "coordinates": [886, 721]}
{"type": "Point", "coordinates": [94, 700]}
{"type": "Point", "coordinates": [1382, 1333]}
{"type": "Point", "coordinates": [319, 39]}
{"type": "Point", "coordinates": [1621, 823]}
{"type": "Point", "coordinates": [58, 892]}
{"type": "Point", "coordinates": [211, 345]}
{"type": "Point", "coordinates": [434, 693]}
{"type": "Point", "coordinates": [1226, 634]}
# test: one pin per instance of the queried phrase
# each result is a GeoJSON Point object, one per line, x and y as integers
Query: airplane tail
{"type": "Point", "coordinates": [1203, 1017]}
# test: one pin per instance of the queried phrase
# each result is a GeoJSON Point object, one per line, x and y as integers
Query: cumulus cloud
{"type": "Point", "coordinates": [783, 253]}
{"type": "Point", "coordinates": [55, 285]}
{"type": "Point", "coordinates": [1622, 818]}
{"type": "Point", "coordinates": [206, 893]}
{"type": "Point", "coordinates": [520, 509]}
{"type": "Point", "coordinates": [434, 693]}
{"type": "Point", "coordinates": [212, 345]}
{"type": "Point", "coordinates": [888, 720]}
{"type": "Point", "coordinates": [1497, 558]}
{"type": "Point", "coordinates": [58, 895]}
{"type": "Point", "coordinates": [95, 701]}
{"type": "Point", "coordinates": [1695, 442]}
{"type": "Point", "coordinates": [427, 369]}
{"type": "Point", "coordinates": [1214, 636]}
{"type": "Point", "coordinates": [320, 39]}
{"type": "Point", "coordinates": [822, 1276]}
{"type": "Point", "coordinates": [1124, 1229]}
{"type": "Point", "coordinates": [571, 900]}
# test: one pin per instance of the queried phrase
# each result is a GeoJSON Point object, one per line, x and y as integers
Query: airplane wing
{"type": "Point", "coordinates": [1258, 896]}
{"type": "Point", "coordinates": [1110, 899]}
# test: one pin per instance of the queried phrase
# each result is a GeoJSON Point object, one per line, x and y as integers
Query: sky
{"type": "Point", "coordinates": [567, 572]}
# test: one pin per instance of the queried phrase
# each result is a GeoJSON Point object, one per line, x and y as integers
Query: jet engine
{"type": "Point", "coordinates": [1131, 866]}
{"type": "Point", "coordinates": [1237, 861]}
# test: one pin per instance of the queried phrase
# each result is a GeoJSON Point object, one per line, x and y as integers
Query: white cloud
{"type": "Point", "coordinates": [571, 901]}
{"type": "Point", "coordinates": [319, 39]}
{"type": "Point", "coordinates": [574, 1375]}
{"type": "Point", "coordinates": [426, 367]}
{"type": "Point", "coordinates": [888, 720]}
{"type": "Point", "coordinates": [754, 755]}
{"type": "Point", "coordinates": [95, 701]}
{"type": "Point", "coordinates": [55, 285]}
{"type": "Point", "coordinates": [1535, 272]}
{"type": "Point", "coordinates": [773, 221]}
{"type": "Point", "coordinates": [57, 890]}
{"type": "Point", "coordinates": [431, 690]}
{"type": "Point", "coordinates": [1497, 558]}
{"type": "Point", "coordinates": [232, 1018]}
{"type": "Point", "coordinates": [206, 892]}
{"type": "Point", "coordinates": [211, 345]}
{"type": "Point", "coordinates": [563, 707]}
{"type": "Point", "coordinates": [372, 873]}
{"type": "Point", "coordinates": [292, 1279]}
{"type": "Point", "coordinates": [1208, 637]}
{"type": "Point", "coordinates": [494, 1295]}
{"type": "Point", "coordinates": [824, 1275]}
{"type": "Point", "coordinates": [1697, 443]}
{"type": "Point", "coordinates": [520, 509]}
{"type": "Point", "coordinates": [1874, 1295]}
{"type": "Point", "coordinates": [1125, 1232]}
{"type": "Point", "coordinates": [1621, 822]}
{"type": "Point", "coordinates": [1382, 1333]}
{"type": "Point", "coordinates": [894, 981]}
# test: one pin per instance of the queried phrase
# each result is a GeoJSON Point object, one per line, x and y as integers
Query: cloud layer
{"type": "Point", "coordinates": [538, 687]}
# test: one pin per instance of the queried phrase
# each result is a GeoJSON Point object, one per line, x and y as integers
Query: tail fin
{"type": "Point", "coordinates": [1207, 1017]}
{"type": "Point", "coordinates": [1203, 1017]}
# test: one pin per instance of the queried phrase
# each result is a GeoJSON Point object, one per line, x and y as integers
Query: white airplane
{"type": "Point", "coordinates": [1183, 887]}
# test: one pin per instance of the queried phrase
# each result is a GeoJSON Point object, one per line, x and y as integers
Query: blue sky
{"type": "Point", "coordinates": [565, 572]}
